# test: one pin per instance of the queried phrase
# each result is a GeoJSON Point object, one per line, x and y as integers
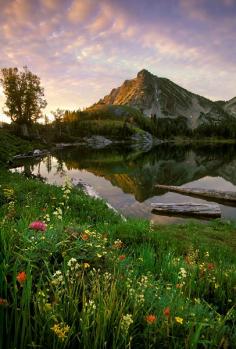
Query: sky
{"type": "Point", "coordinates": [81, 49]}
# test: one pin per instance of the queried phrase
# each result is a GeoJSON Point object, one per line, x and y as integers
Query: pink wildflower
{"type": "Point", "coordinates": [38, 225]}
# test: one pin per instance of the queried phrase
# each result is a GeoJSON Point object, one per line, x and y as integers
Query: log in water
{"type": "Point", "coordinates": [215, 195]}
{"type": "Point", "coordinates": [188, 209]}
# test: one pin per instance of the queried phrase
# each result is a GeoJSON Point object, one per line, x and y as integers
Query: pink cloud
{"type": "Point", "coordinates": [80, 10]}
{"type": "Point", "coordinates": [194, 9]}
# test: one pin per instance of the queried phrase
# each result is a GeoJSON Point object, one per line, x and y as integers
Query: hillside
{"type": "Point", "coordinates": [230, 106]}
{"type": "Point", "coordinates": [160, 97]}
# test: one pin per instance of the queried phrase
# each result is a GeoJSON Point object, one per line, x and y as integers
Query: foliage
{"type": "Point", "coordinates": [11, 145]}
{"type": "Point", "coordinates": [24, 95]}
{"type": "Point", "coordinates": [90, 280]}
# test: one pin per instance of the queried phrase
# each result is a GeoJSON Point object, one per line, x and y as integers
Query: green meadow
{"type": "Point", "coordinates": [73, 274]}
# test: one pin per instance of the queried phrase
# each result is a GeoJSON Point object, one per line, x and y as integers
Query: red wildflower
{"type": "Point", "coordinates": [166, 312]}
{"type": "Point", "coordinates": [84, 237]}
{"type": "Point", "coordinates": [21, 277]}
{"type": "Point", "coordinates": [122, 257]}
{"type": "Point", "coordinates": [151, 319]}
{"type": "Point", "coordinates": [38, 225]}
{"type": "Point", "coordinates": [210, 266]}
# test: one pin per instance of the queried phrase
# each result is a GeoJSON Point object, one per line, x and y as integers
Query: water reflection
{"type": "Point", "coordinates": [127, 178]}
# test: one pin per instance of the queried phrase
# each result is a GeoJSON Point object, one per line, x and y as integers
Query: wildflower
{"type": "Point", "coordinates": [122, 257]}
{"type": "Point", "coordinates": [90, 306]}
{"type": "Point", "coordinates": [166, 312]}
{"type": "Point", "coordinates": [118, 244]}
{"type": "Point", "coordinates": [61, 331]}
{"type": "Point", "coordinates": [179, 320]}
{"type": "Point", "coordinates": [179, 285]}
{"type": "Point", "coordinates": [84, 237]}
{"type": "Point", "coordinates": [210, 266]}
{"type": "Point", "coordinates": [38, 225]}
{"type": "Point", "coordinates": [86, 265]}
{"type": "Point", "coordinates": [71, 262]}
{"type": "Point", "coordinates": [151, 319]}
{"type": "Point", "coordinates": [57, 278]}
{"type": "Point", "coordinates": [21, 277]}
{"type": "Point", "coordinates": [126, 321]}
{"type": "Point", "coordinates": [182, 273]}
{"type": "Point", "coordinates": [58, 213]}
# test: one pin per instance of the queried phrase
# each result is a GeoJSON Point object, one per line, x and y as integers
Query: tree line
{"type": "Point", "coordinates": [25, 102]}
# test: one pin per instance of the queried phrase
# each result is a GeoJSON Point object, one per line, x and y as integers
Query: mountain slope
{"type": "Point", "coordinates": [230, 106]}
{"type": "Point", "coordinates": [160, 97]}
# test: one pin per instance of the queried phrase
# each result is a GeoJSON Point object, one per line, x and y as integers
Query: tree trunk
{"type": "Point", "coordinates": [24, 130]}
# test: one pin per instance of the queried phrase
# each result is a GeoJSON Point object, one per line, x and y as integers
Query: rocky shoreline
{"type": "Point", "coordinates": [143, 142]}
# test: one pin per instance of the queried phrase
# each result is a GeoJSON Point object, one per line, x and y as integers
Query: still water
{"type": "Point", "coordinates": [126, 177]}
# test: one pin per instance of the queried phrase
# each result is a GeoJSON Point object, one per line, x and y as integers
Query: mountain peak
{"type": "Point", "coordinates": [143, 73]}
{"type": "Point", "coordinates": [162, 98]}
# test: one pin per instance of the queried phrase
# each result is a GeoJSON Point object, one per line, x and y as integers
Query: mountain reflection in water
{"type": "Point", "coordinates": [127, 178]}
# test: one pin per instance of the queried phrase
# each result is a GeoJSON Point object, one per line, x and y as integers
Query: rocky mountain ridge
{"type": "Point", "coordinates": [230, 106]}
{"type": "Point", "coordinates": [161, 98]}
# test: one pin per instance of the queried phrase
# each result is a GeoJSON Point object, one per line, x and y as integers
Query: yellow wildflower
{"type": "Point", "coordinates": [179, 320]}
{"type": "Point", "coordinates": [61, 331]}
{"type": "Point", "coordinates": [86, 265]}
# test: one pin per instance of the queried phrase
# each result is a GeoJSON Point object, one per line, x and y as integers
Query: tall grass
{"type": "Point", "coordinates": [92, 281]}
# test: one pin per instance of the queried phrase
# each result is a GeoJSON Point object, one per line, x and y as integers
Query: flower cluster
{"type": "Point", "coordinates": [58, 213]}
{"type": "Point", "coordinates": [61, 330]}
{"type": "Point", "coordinates": [73, 264]}
{"type": "Point", "coordinates": [38, 225]}
{"type": "Point", "coordinates": [118, 244]}
{"type": "Point", "coordinates": [182, 273]}
{"type": "Point", "coordinates": [58, 279]}
{"type": "Point", "coordinates": [126, 322]}
{"type": "Point", "coordinates": [95, 243]}
{"type": "Point", "coordinates": [90, 307]}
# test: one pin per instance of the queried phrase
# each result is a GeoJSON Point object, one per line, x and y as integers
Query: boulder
{"type": "Point", "coordinates": [98, 142]}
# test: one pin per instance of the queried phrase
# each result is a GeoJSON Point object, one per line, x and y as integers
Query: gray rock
{"type": "Point", "coordinates": [98, 142]}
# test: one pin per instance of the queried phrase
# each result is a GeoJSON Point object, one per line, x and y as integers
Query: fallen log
{"type": "Point", "coordinates": [215, 195]}
{"type": "Point", "coordinates": [188, 209]}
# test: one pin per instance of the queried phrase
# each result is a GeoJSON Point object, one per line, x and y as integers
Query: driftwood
{"type": "Point", "coordinates": [188, 209]}
{"type": "Point", "coordinates": [226, 197]}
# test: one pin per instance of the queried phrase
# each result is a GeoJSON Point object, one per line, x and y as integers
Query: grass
{"type": "Point", "coordinates": [11, 145]}
{"type": "Point", "coordinates": [91, 280]}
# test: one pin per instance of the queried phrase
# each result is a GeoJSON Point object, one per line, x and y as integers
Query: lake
{"type": "Point", "coordinates": [126, 177]}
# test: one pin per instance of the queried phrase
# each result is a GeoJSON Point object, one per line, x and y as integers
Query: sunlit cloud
{"type": "Point", "coordinates": [83, 49]}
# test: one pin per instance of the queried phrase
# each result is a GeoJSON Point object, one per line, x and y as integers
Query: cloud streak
{"type": "Point", "coordinates": [82, 49]}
